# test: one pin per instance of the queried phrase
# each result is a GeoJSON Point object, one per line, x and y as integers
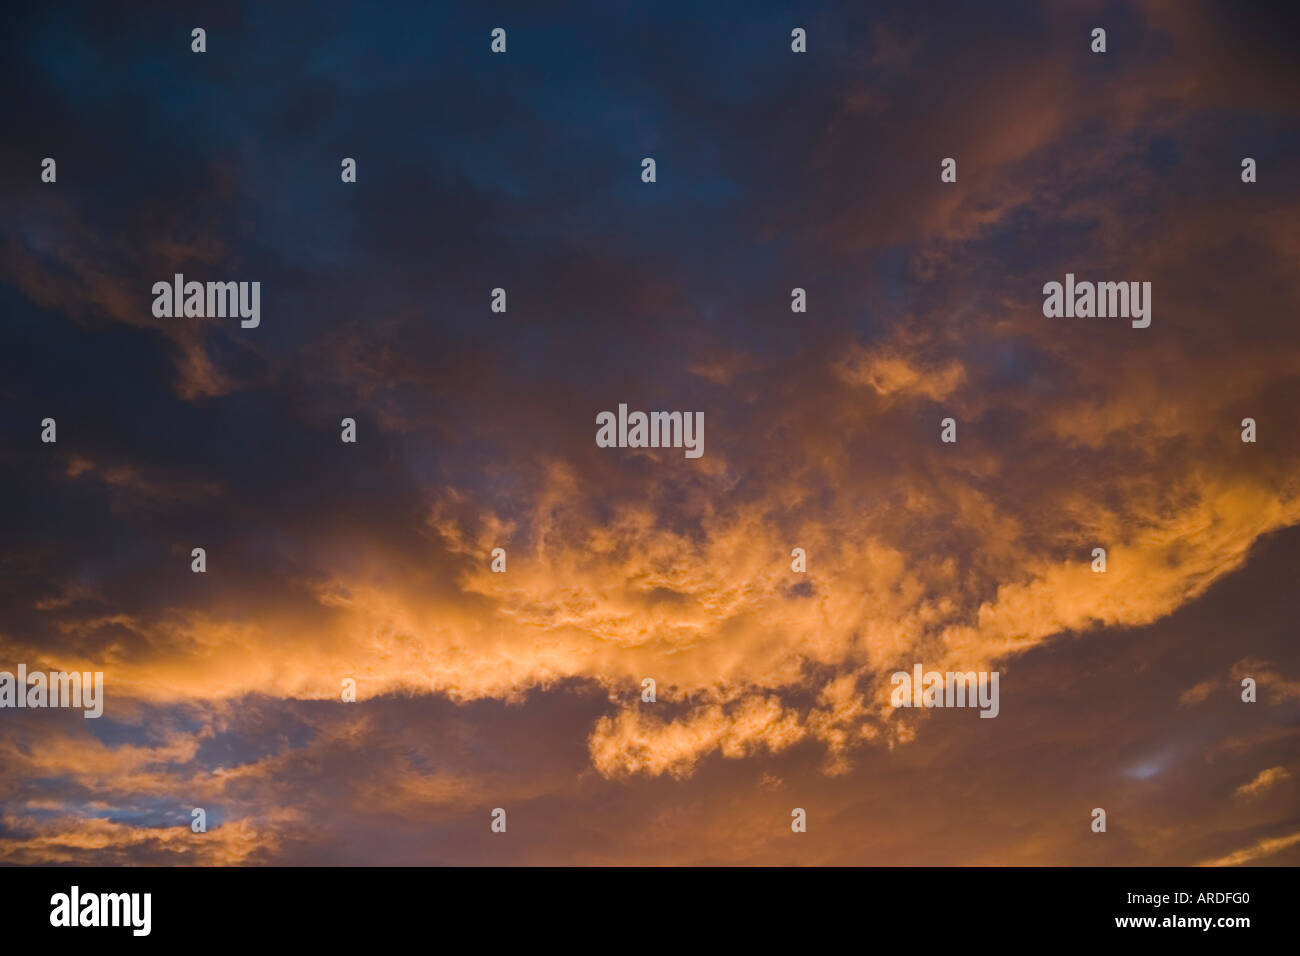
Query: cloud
{"type": "Point", "coordinates": [1277, 688]}
{"type": "Point", "coordinates": [371, 561]}
{"type": "Point", "coordinates": [1261, 849]}
{"type": "Point", "coordinates": [1264, 780]}
{"type": "Point", "coordinates": [894, 375]}
{"type": "Point", "coordinates": [74, 839]}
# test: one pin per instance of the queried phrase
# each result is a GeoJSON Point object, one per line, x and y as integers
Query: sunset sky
{"type": "Point", "coordinates": [476, 430]}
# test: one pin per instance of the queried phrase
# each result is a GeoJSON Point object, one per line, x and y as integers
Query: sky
{"type": "Point", "coordinates": [370, 561]}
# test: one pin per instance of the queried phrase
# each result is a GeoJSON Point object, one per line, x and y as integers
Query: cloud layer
{"type": "Point", "coordinates": [370, 561]}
